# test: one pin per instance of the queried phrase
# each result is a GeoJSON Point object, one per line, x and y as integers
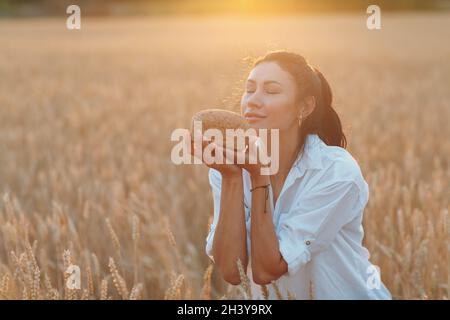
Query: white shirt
{"type": "Point", "coordinates": [318, 222]}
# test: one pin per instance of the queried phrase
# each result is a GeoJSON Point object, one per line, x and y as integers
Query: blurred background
{"type": "Point", "coordinates": [202, 7]}
{"type": "Point", "coordinates": [86, 117]}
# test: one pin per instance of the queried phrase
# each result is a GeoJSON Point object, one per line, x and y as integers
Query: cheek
{"type": "Point", "coordinates": [281, 111]}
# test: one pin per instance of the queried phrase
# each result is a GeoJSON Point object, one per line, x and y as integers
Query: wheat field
{"type": "Point", "coordinates": [85, 123]}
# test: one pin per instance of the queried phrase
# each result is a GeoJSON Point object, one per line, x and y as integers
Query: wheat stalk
{"type": "Point", "coordinates": [114, 237]}
{"type": "Point", "coordinates": [118, 281]}
{"type": "Point", "coordinates": [135, 237]}
{"type": "Point", "coordinates": [104, 290]}
{"type": "Point", "coordinates": [264, 291]}
{"type": "Point", "coordinates": [4, 287]}
{"type": "Point", "coordinates": [174, 292]}
{"type": "Point", "coordinates": [136, 292]}
{"type": "Point", "coordinates": [277, 291]}
{"type": "Point", "coordinates": [245, 282]}
{"type": "Point", "coordinates": [206, 290]}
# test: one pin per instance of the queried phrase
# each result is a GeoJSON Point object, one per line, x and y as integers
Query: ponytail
{"type": "Point", "coordinates": [330, 128]}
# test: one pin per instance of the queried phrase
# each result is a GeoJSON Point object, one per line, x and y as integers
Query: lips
{"type": "Point", "coordinates": [251, 116]}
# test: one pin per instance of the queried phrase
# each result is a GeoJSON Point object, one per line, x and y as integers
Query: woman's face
{"type": "Point", "coordinates": [269, 99]}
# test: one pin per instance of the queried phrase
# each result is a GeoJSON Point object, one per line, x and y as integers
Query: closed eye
{"type": "Point", "coordinates": [267, 91]}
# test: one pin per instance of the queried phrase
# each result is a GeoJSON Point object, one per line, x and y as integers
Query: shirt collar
{"type": "Point", "coordinates": [310, 158]}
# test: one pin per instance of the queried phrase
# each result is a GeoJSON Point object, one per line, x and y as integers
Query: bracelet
{"type": "Point", "coordinates": [251, 190]}
{"type": "Point", "coordinates": [266, 187]}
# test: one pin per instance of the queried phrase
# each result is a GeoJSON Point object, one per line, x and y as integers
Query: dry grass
{"type": "Point", "coordinates": [85, 124]}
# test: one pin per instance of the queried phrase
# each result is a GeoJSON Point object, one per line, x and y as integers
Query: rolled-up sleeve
{"type": "Point", "coordinates": [316, 218]}
{"type": "Point", "coordinates": [215, 181]}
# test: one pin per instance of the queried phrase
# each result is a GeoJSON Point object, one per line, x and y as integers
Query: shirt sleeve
{"type": "Point", "coordinates": [215, 181]}
{"type": "Point", "coordinates": [316, 219]}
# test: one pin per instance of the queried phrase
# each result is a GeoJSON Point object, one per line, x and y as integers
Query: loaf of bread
{"type": "Point", "coordinates": [219, 119]}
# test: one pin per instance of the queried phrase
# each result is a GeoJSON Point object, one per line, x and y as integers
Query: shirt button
{"type": "Point", "coordinates": [307, 242]}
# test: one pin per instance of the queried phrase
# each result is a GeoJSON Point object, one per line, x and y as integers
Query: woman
{"type": "Point", "coordinates": [300, 228]}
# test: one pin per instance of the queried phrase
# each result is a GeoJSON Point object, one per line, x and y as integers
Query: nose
{"type": "Point", "coordinates": [254, 102]}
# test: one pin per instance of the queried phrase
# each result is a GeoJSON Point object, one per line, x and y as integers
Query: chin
{"type": "Point", "coordinates": [257, 127]}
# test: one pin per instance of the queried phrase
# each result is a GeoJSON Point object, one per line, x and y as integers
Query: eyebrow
{"type": "Point", "coordinates": [265, 82]}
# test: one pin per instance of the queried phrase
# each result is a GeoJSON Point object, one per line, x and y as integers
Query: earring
{"type": "Point", "coordinates": [300, 120]}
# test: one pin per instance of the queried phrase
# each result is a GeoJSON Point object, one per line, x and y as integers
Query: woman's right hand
{"type": "Point", "coordinates": [226, 170]}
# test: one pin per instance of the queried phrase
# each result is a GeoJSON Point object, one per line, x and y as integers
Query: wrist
{"type": "Point", "coordinates": [259, 180]}
{"type": "Point", "coordinates": [232, 177]}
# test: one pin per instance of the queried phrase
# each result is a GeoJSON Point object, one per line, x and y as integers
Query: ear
{"type": "Point", "coordinates": [308, 105]}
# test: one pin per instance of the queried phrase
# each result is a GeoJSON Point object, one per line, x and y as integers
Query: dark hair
{"type": "Point", "coordinates": [324, 120]}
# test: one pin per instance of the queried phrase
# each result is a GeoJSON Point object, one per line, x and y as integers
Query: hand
{"type": "Point", "coordinates": [249, 153]}
{"type": "Point", "coordinates": [226, 170]}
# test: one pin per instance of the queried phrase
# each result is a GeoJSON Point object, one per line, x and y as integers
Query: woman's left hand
{"type": "Point", "coordinates": [249, 156]}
